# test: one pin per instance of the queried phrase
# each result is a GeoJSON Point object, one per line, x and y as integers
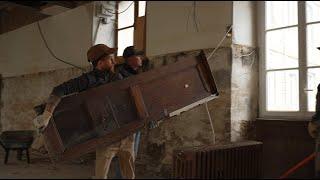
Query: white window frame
{"type": "Point", "coordinates": [303, 114]}
{"type": "Point", "coordinates": [134, 25]}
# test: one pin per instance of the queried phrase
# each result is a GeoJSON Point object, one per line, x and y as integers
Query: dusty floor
{"type": "Point", "coordinates": [41, 167]}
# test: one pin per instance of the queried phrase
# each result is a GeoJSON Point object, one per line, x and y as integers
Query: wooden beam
{"type": "Point", "coordinates": [66, 4]}
{"type": "Point", "coordinates": [32, 4]}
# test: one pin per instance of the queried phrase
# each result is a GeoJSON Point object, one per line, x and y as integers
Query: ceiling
{"type": "Point", "coordinates": [39, 5]}
{"type": "Point", "coordinates": [15, 14]}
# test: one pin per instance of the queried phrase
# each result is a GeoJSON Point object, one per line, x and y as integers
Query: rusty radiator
{"type": "Point", "coordinates": [226, 161]}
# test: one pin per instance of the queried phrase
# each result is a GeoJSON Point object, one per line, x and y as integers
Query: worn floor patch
{"type": "Point", "coordinates": [41, 168]}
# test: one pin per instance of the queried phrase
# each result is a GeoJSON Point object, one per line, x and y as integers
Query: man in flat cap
{"type": "Point", "coordinates": [102, 59]}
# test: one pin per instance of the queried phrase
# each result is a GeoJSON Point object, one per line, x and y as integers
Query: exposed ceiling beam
{"type": "Point", "coordinates": [33, 4]}
{"type": "Point", "coordinates": [66, 4]}
{"type": "Point", "coordinates": [38, 5]}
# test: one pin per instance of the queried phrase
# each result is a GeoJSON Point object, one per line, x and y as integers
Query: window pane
{"type": "Point", "coordinates": [283, 90]}
{"type": "Point", "coordinates": [142, 8]}
{"type": "Point", "coordinates": [313, 11]}
{"type": "Point", "coordinates": [282, 48]}
{"type": "Point", "coordinates": [313, 41]}
{"type": "Point", "coordinates": [125, 18]}
{"type": "Point", "coordinates": [281, 14]}
{"type": "Point", "coordinates": [125, 38]}
{"type": "Point", "coordinates": [313, 81]}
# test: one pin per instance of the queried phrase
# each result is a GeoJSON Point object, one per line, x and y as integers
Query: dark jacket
{"type": "Point", "coordinates": [316, 116]}
{"type": "Point", "coordinates": [86, 81]}
{"type": "Point", "coordinates": [125, 70]}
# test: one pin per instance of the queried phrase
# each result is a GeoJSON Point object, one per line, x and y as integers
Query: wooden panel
{"type": "Point", "coordinates": [285, 143]}
{"type": "Point", "coordinates": [53, 141]}
{"type": "Point", "coordinates": [139, 33]}
{"type": "Point", "coordinates": [108, 113]}
{"type": "Point", "coordinates": [139, 102]}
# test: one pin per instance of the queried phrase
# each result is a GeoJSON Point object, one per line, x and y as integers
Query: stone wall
{"type": "Point", "coordinates": [20, 94]}
{"type": "Point", "coordinates": [191, 128]}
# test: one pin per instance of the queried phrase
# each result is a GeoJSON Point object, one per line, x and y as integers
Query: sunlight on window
{"type": "Point", "coordinates": [313, 41]}
{"type": "Point", "coordinates": [142, 8]}
{"type": "Point", "coordinates": [126, 18]}
{"type": "Point", "coordinates": [284, 66]}
{"type": "Point", "coordinates": [125, 38]}
{"type": "Point", "coordinates": [281, 14]}
{"type": "Point", "coordinates": [283, 90]}
{"type": "Point", "coordinates": [313, 11]}
{"type": "Point", "coordinates": [282, 48]}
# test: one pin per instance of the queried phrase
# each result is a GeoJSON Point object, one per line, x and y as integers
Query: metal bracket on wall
{"type": "Point", "coordinates": [186, 108]}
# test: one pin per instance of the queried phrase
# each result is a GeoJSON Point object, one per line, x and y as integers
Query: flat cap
{"type": "Point", "coordinates": [98, 51]}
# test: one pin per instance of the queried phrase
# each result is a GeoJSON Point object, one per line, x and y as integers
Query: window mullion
{"type": "Point", "coordinates": [261, 10]}
{"type": "Point", "coordinates": [302, 57]}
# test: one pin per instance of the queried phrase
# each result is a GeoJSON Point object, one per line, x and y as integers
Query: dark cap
{"type": "Point", "coordinates": [98, 51]}
{"type": "Point", "coordinates": [318, 48]}
{"type": "Point", "coordinates": [131, 51]}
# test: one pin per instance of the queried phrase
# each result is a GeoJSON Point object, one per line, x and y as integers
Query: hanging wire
{"type": "Point", "coordinates": [211, 123]}
{"type": "Point", "coordinates": [189, 12]}
{"type": "Point", "coordinates": [211, 54]}
{"type": "Point", "coordinates": [245, 55]}
{"type": "Point", "coordinates": [97, 30]}
{"type": "Point", "coordinates": [117, 12]}
{"type": "Point", "coordinates": [46, 44]}
{"type": "Point", "coordinates": [194, 16]}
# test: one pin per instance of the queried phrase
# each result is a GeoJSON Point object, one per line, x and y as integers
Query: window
{"type": "Point", "coordinates": [290, 68]}
{"type": "Point", "coordinates": [129, 27]}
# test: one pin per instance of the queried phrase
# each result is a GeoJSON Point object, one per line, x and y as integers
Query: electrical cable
{"type": "Point", "coordinates": [251, 65]}
{"type": "Point", "coordinates": [188, 19]}
{"type": "Point", "coordinates": [96, 33]}
{"type": "Point", "coordinates": [194, 16]}
{"type": "Point", "coordinates": [219, 43]}
{"type": "Point", "coordinates": [245, 55]}
{"type": "Point", "coordinates": [197, 20]}
{"type": "Point", "coordinates": [46, 44]}
{"type": "Point", "coordinates": [211, 124]}
{"type": "Point", "coordinates": [117, 12]}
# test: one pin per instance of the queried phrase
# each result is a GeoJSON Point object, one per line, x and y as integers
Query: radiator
{"type": "Point", "coordinates": [226, 161]}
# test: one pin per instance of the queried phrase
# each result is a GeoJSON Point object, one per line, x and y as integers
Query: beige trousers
{"type": "Point", "coordinates": [125, 152]}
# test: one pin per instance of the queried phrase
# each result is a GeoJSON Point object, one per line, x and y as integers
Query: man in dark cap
{"type": "Point", "coordinates": [135, 63]}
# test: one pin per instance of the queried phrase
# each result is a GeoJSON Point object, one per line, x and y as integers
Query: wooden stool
{"type": "Point", "coordinates": [16, 140]}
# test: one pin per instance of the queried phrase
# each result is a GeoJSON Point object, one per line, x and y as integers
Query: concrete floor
{"type": "Point", "coordinates": [41, 168]}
